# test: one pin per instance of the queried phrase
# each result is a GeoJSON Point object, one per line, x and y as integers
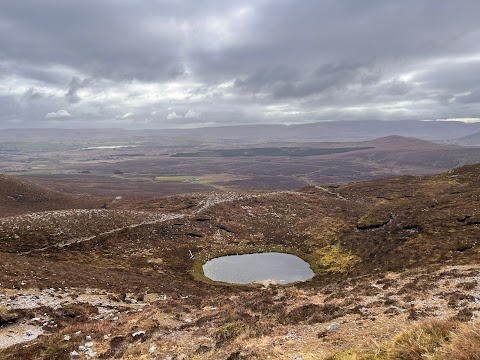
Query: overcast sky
{"type": "Point", "coordinates": [154, 64]}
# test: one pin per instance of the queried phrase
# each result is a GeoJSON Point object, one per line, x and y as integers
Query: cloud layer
{"type": "Point", "coordinates": [188, 63]}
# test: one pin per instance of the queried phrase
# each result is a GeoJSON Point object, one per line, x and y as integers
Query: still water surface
{"type": "Point", "coordinates": [248, 268]}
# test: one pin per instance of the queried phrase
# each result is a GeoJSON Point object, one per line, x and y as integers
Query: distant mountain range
{"type": "Point", "coordinates": [446, 131]}
{"type": "Point", "coordinates": [469, 140]}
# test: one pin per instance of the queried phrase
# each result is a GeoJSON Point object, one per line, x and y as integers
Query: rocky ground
{"type": "Point", "coordinates": [126, 281]}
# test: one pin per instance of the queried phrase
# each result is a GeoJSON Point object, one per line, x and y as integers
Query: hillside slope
{"type": "Point", "coordinates": [19, 195]}
{"type": "Point", "coordinates": [386, 253]}
{"type": "Point", "coordinates": [469, 140]}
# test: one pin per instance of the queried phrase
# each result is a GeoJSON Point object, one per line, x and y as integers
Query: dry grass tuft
{"type": "Point", "coordinates": [432, 339]}
{"type": "Point", "coordinates": [423, 340]}
{"type": "Point", "coordinates": [464, 345]}
{"type": "Point", "coordinates": [230, 331]}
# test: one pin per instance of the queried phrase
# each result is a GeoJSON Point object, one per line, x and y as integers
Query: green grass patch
{"type": "Point", "coordinates": [335, 258]}
{"type": "Point", "coordinates": [182, 178]}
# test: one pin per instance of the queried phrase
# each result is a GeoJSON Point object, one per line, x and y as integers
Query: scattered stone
{"type": "Point", "coordinates": [81, 348]}
{"type": "Point", "coordinates": [29, 333]}
{"type": "Point", "coordinates": [89, 344]}
{"type": "Point", "coordinates": [88, 338]}
{"type": "Point", "coordinates": [78, 332]}
{"type": "Point", "coordinates": [90, 353]}
{"type": "Point", "coordinates": [152, 349]}
{"type": "Point", "coordinates": [266, 283]}
{"type": "Point", "coordinates": [66, 338]}
{"type": "Point", "coordinates": [291, 335]}
{"type": "Point", "coordinates": [105, 337]}
{"type": "Point", "coordinates": [138, 333]}
{"type": "Point", "coordinates": [188, 321]}
{"type": "Point", "coordinates": [333, 326]}
{"type": "Point", "coordinates": [130, 297]}
{"type": "Point", "coordinates": [396, 308]}
{"type": "Point", "coordinates": [74, 355]}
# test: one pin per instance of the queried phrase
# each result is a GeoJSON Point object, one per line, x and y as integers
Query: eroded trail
{"type": "Point", "coordinates": [76, 226]}
{"type": "Point", "coordinates": [69, 227]}
{"type": "Point", "coordinates": [164, 217]}
{"type": "Point", "coordinates": [337, 195]}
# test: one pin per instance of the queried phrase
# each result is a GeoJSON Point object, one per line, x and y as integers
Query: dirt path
{"type": "Point", "coordinates": [69, 242]}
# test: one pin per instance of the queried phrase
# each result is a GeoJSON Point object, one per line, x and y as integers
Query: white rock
{"type": "Point", "coordinates": [88, 338]}
{"type": "Point", "coordinates": [90, 353]}
{"type": "Point", "coordinates": [152, 349]}
{"type": "Point", "coordinates": [66, 338]}
{"type": "Point", "coordinates": [333, 326]}
{"type": "Point", "coordinates": [105, 337]}
{"type": "Point", "coordinates": [138, 333]}
{"type": "Point", "coordinates": [81, 348]}
{"type": "Point", "coordinates": [89, 344]}
{"type": "Point", "coordinates": [399, 309]}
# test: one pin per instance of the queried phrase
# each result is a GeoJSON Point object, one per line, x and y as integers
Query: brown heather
{"type": "Point", "coordinates": [396, 263]}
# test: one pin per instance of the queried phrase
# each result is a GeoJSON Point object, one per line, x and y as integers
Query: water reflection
{"type": "Point", "coordinates": [244, 269]}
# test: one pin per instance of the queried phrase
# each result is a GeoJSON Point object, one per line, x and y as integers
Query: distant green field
{"type": "Point", "coordinates": [38, 146]}
{"type": "Point", "coordinates": [180, 178]}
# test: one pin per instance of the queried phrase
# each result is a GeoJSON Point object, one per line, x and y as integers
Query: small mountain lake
{"type": "Point", "coordinates": [245, 269]}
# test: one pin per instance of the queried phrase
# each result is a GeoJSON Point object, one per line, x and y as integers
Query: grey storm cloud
{"type": "Point", "coordinates": [473, 97]}
{"type": "Point", "coordinates": [236, 61]}
{"type": "Point", "coordinates": [76, 84]}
